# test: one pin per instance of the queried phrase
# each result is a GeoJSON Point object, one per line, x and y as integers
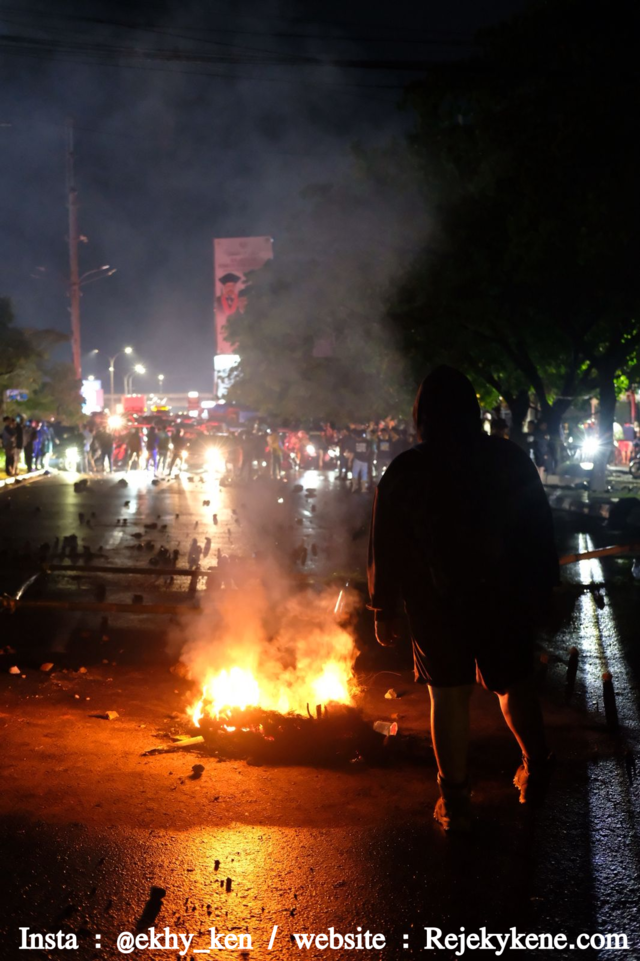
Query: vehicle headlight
{"type": "Point", "coordinates": [71, 453]}
{"type": "Point", "coordinates": [590, 446]}
{"type": "Point", "coordinates": [311, 451]}
{"type": "Point", "coordinates": [115, 422]}
{"type": "Point", "coordinates": [216, 460]}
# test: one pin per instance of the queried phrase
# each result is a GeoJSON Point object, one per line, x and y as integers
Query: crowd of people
{"type": "Point", "coordinates": [155, 447]}
{"type": "Point", "coordinates": [357, 453]}
{"type": "Point", "coordinates": [28, 442]}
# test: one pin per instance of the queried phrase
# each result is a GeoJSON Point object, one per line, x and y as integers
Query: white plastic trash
{"type": "Point", "coordinates": [386, 727]}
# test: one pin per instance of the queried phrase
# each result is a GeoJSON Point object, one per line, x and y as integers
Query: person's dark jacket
{"type": "Point", "coordinates": [461, 527]}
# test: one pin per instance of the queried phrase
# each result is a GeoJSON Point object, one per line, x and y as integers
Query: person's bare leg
{"type": "Point", "coordinates": [450, 730]}
{"type": "Point", "coordinates": [521, 709]}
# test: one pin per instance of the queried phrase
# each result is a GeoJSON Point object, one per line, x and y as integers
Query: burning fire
{"type": "Point", "coordinates": [287, 657]}
{"type": "Point", "coordinates": [238, 688]}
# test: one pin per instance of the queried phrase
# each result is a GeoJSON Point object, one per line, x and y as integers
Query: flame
{"type": "Point", "coordinates": [270, 653]}
{"type": "Point", "coordinates": [238, 687]}
{"type": "Point", "coordinates": [234, 688]}
{"type": "Point", "coordinates": [331, 685]}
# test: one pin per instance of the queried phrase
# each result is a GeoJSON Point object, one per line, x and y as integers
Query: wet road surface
{"type": "Point", "coordinates": [88, 824]}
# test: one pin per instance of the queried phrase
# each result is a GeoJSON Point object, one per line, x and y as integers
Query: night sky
{"type": "Point", "coordinates": [210, 138]}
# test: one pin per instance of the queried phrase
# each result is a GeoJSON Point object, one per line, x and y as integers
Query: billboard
{"type": "Point", "coordinates": [93, 395]}
{"type": "Point", "coordinates": [233, 258]}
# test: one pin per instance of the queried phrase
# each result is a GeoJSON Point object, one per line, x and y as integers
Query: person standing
{"type": "Point", "coordinates": [152, 448]}
{"type": "Point", "coordinates": [9, 445]}
{"type": "Point", "coordinates": [30, 435]}
{"type": "Point", "coordinates": [19, 428]}
{"type": "Point", "coordinates": [178, 442]}
{"type": "Point", "coordinates": [460, 495]}
{"type": "Point", "coordinates": [163, 449]}
{"type": "Point", "coordinates": [134, 448]}
{"type": "Point", "coordinates": [361, 468]}
{"type": "Point", "coordinates": [384, 456]}
{"type": "Point", "coordinates": [88, 465]}
{"type": "Point", "coordinates": [104, 440]}
{"type": "Point", "coordinates": [275, 454]}
{"type": "Point", "coordinates": [44, 445]}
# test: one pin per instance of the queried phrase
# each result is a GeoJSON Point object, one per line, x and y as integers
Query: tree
{"type": "Point", "coordinates": [530, 153]}
{"type": "Point", "coordinates": [25, 365]}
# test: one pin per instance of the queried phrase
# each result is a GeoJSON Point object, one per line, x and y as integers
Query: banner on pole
{"type": "Point", "coordinates": [233, 259]}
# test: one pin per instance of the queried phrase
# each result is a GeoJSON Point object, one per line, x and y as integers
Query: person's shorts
{"type": "Point", "coordinates": [499, 652]}
{"type": "Point", "coordinates": [360, 468]}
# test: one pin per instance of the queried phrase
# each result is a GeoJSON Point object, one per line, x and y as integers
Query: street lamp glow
{"type": "Point", "coordinates": [139, 369]}
{"type": "Point", "coordinates": [112, 361]}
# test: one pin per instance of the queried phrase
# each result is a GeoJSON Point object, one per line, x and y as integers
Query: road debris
{"type": "Point", "coordinates": [107, 716]}
{"type": "Point", "coordinates": [170, 748]}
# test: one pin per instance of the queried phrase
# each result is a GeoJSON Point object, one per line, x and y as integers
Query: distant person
{"type": "Point", "coordinates": [178, 443]}
{"type": "Point", "coordinates": [134, 448]}
{"type": "Point", "coordinates": [361, 466]}
{"type": "Point", "coordinates": [9, 445]}
{"type": "Point", "coordinates": [462, 542]}
{"type": "Point", "coordinates": [152, 448]}
{"type": "Point", "coordinates": [345, 453]}
{"type": "Point", "coordinates": [275, 454]}
{"type": "Point", "coordinates": [44, 445]}
{"type": "Point", "coordinates": [385, 453]}
{"type": "Point", "coordinates": [104, 441]}
{"type": "Point", "coordinates": [19, 427]}
{"type": "Point", "coordinates": [88, 465]}
{"type": "Point", "coordinates": [30, 437]}
{"type": "Point", "coordinates": [163, 449]}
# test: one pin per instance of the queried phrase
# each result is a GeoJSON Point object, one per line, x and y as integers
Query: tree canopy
{"type": "Point", "coordinates": [530, 151]}
{"type": "Point", "coordinates": [25, 364]}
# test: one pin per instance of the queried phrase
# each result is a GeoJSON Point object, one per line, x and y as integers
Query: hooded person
{"type": "Point", "coordinates": [462, 546]}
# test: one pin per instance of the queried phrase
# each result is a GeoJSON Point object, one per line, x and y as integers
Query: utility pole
{"type": "Point", "coordinates": [74, 273]}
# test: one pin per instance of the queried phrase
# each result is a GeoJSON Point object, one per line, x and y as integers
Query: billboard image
{"type": "Point", "coordinates": [233, 258]}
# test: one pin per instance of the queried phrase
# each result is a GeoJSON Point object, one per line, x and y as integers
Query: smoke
{"type": "Point", "coordinates": [168, 156]}
{"type": "Point", "coordinates": [289, 641]}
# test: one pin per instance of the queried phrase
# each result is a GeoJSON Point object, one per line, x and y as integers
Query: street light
{"type": "Point", "coordinates": [138, 369]}
{"type": "Point", "coordinates": [112, 360]}
{"type": "Point", "coordinates": [160, 381]}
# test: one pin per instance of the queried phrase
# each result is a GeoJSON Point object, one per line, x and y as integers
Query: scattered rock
{"type": "Point", "coordinates": [14, 670]}
{"type": "Point", "coordinates": [391, 694]}
{"type": "Point", "coordinates": [107, 716]}
{"type": "Point", "coordinates": [47, 666]}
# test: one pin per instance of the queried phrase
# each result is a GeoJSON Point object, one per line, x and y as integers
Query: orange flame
{"type": "Point", "coordinates": [238, 687]}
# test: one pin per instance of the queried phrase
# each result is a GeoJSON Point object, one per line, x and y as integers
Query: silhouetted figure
{"type": "Point", "coordinates": [462, 541]}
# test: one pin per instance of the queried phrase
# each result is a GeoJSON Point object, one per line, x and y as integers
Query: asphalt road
{"type": "Point", "coordinates": [88, 824]}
